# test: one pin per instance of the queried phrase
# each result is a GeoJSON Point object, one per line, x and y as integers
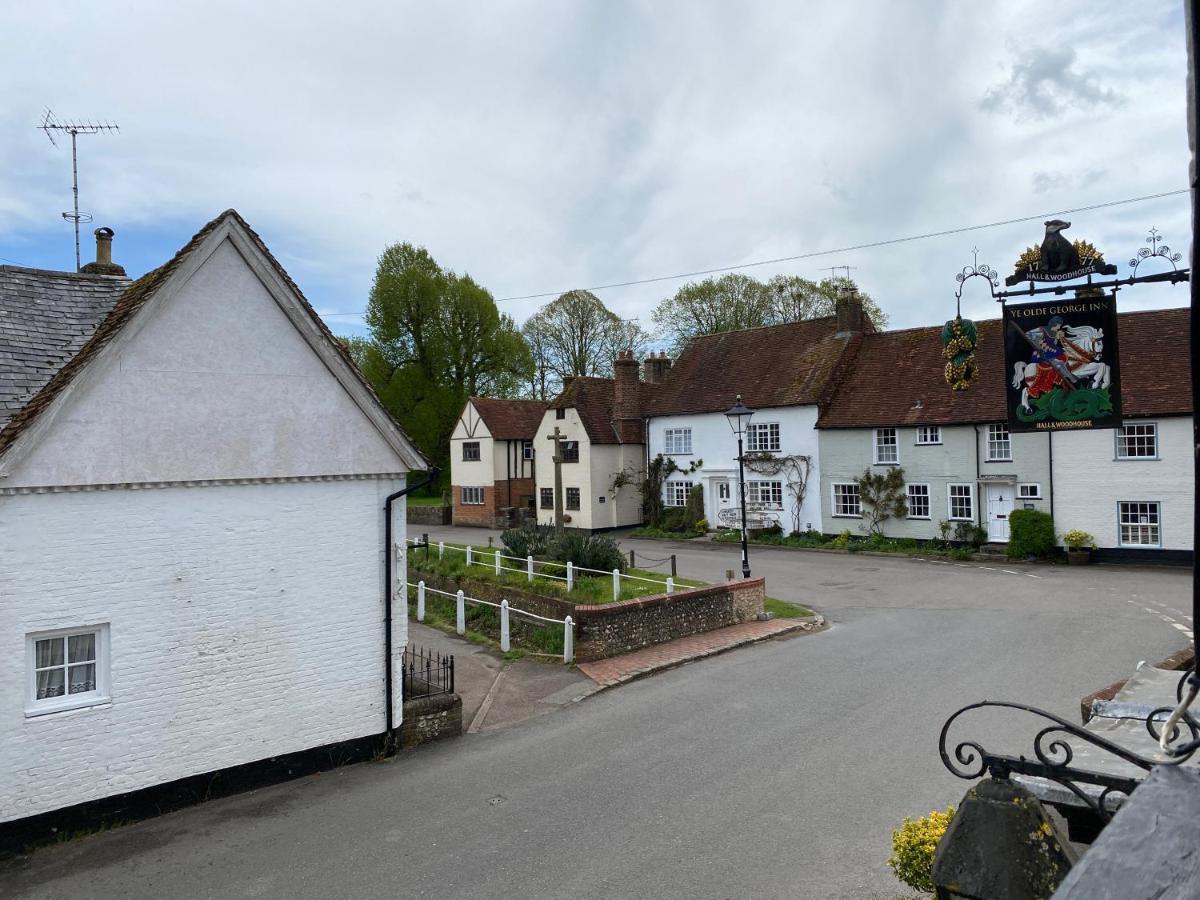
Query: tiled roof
{"type": "Point", "coordinates": [777, 365]}
{"type": "Point", "coordinates": [897, 377]}
{"type": "Point", "coordinates": [511, 420]}
{"type": "Point", "coordinates": [593, 399]}
{"type": "Point", "coordinates": [45, 318]}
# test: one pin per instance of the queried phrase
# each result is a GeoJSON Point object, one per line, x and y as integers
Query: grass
{"type": "Point", "coordinates": [853, 544]}
{"type": "Point", "coordinates": [483, 627]}
{"type": "Point", "coordinates": [658, 534]}
{"type": "Point", "coordinates": [781, 609]}
{"type": "Point", "coordinates": [425, 501]}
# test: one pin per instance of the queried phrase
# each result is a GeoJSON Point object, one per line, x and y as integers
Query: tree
{"type": "Point", "coordinates": [882, 497]}
{"type": "Point", "coordinates": [576, 334]}
{"type": "Point", "coordinates": [436, 339]}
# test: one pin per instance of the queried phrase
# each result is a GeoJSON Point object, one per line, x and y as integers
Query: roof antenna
{"type": "Point", "coordinates": [51, 124]}
{"type": "Point", "coordinates": [832, 270]}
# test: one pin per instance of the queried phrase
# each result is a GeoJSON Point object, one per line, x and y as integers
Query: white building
{"type": "Point", "coordinates": [193, 478]}
{"type": "Point", "coordinates": [492, 450]}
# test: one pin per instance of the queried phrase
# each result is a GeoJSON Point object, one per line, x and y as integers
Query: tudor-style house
{"type": "Point", "coordinates": [783, 373]}
{"type": "Point", "coordinates": [193, 478]}
{"type": "Point", "coordinates": [492, 452]}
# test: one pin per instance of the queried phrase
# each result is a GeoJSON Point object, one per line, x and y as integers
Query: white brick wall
{"type": "Point", "coordinates": [246, 622]}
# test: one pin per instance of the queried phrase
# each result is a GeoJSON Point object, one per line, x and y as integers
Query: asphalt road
{"type": "Point", "coordinates": [777, 770]}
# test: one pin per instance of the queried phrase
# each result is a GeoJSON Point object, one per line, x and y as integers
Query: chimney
{"type": "Point", "coordinates": [625, 389]}
{"type": "Point", "coordinates": [103, 264]}
{"type": "Point", "coordinates": [849, 312]}
{"type": "Point", "coordinates": [657, 368]}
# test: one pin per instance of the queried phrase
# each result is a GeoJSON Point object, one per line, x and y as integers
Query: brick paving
{"type": "Point", "coordinates": [628, 666]}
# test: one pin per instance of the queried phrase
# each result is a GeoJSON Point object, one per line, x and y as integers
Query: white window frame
{"type": "Point", "coordinates": [526, 449]}
{"type": "Point", "coordinates": [763, 437]}
{"type": "Point", "coordinates": [894, 446]}
{"type": "Point", "coordinates": [677, 491]}
{"type": "Point", "coordinates": [1035, 494]}
{"type": "Point", "coordinates": [463, 489]}
{"type": "Point", "coordinates": [478, 451]}
{"type": "Point", "coordinates": [1157, 525]}
{"type": "Point", "coordinates": [950, 498]}
{"type": "Point", "coordinates": [97, 697]}
{"type": "Point", "coordinates": [927, 496]}
{"type": "Point", "coordinates": [768, 493]}
{"type": "Point", "coordinates": [994, 443]}
{"type": "Point", "coordinates": [833, 497]}
{"type": "Point", "coordinates": [1119, 433]}
{"type": "Point", "coordinates": [677, 441]}
{"type": "Point", "coordinates": [925, 432]}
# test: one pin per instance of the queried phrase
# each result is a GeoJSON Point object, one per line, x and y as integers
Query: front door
{"type": "Point", "coordinates": [727, 515]}
{"type": "Point", "coordinates": [999, 507]}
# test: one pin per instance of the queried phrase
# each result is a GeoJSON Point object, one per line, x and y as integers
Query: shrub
{"type": "Point", "coordinates": [944, 529]}
{"type": "Point", "coordinates": [913, 846]}
{"type": "Point", "coordinates": [970, 533]}
{"type": "Point", "coordinates": [1031, 533]}
{"type": "Point", "coordinates": [569, 547]}
{"type": "Point", "coordinates": [672, 518]}
{"type": "Point", "coordinates": [528, 540]}
{"type": "Point", "coordinates": [595, 552]}
{"type": "Point", "coordinates": [1079, 540]}
{"type": "Point", "coordinates": [701, 526]}
{"type": "Point", "coordinates": [962, 553]}
{"type": "Point", "coordinates": [693, 511]}
{"type": "Point", "coordinates": [883, 497]}
{"type": "Point", "coordinates": [842, 541]}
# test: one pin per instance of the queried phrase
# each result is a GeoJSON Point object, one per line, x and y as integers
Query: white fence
{"type": "Point", "coordinates": [460, 619]}
{"type": "Point", "coordinates": [529, 567]}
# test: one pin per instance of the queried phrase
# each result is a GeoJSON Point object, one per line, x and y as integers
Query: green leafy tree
{"type": "Point", "coordinates": [436, 339]}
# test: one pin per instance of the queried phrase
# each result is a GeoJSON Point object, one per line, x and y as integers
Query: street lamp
{"type": "Point", "coordinates": [739, 419]}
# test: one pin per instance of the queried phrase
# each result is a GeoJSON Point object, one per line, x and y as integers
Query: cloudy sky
{"type": "Point", "coordinates": [542, 146]}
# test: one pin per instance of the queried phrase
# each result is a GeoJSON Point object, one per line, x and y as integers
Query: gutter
{"type": "Point", "coordinates": [389, 688]}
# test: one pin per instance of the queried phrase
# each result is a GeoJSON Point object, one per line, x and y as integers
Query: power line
{"type": "Point", "coordinates": [815, 253]}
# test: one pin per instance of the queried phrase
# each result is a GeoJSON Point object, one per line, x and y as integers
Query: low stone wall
{"type": "Point", "coordinates": [429, 719]}
{"type": "Point", "coordinates": [428, 515]}
{"type": "Point", "coordinates": [615, 628]}
{"type": "Point", "coordinates": [538, 604]}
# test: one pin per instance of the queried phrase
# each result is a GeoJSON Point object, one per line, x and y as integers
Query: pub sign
{"type": "Point", "coordinates": [1061, 364]}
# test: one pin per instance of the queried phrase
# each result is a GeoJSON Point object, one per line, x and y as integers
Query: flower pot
{"type": "Point", "coordinates": [1080, 557]}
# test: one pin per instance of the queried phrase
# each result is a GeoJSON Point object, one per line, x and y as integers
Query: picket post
{"type": "Point", "coordinates": [570, 576]}
{"type": "Point", "coordinates": [529, 567]}
{"type": "Point", "coordinates": [441, 549]}
{"type": "Point", "coordinates": [460, 624]}
{"type": "Point", "coordinates": [504, 642]}
{"type": "Point", "coordinates": [468, 555]}
{"type": "Point", "coordinates": [497, 557]}
{"type": "Point", "coordinates": [616, 585]}
{"type": "Point", "coordinates": [420, 601]}
{"type": "Point", "coordinates": [670, 585]}
{"type": "Point", "coordinates": [568, 640]}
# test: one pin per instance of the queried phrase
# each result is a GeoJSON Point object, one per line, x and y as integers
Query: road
{"type": "Point", "coordinates": [777, 770]}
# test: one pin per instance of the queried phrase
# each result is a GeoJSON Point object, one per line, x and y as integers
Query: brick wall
{"type": "Point", "coordinates": [431, 719]}
{"type": "Point", "coordinates": [245, 621]}
{"type": "Point", "coordinates": [475, 514]}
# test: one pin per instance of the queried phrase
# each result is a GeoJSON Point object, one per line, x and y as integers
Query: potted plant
{"type": "Point", "coordinates": [1079, 547]}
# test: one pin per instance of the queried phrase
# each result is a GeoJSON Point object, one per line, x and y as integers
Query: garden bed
{"type": "Point", "coordinates": [845, 543]}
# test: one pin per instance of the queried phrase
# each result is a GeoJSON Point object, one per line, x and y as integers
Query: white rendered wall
{"type": "Point", "coordinates": [473, 473]}
{"type": "Point", "coordinates": [577, 475]}
{"type": "Point", "coordinates": [246, 621]}
{"type": "Point", "coordinates": [714, 442]}
{"type": "Point", "coordinates": [1089, 482]}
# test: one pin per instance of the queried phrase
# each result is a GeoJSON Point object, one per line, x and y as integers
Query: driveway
{"type": "Point", "coordinates": [777, 770]}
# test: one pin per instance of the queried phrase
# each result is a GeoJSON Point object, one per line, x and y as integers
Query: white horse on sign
{"type": "Point", "coordinates": [1084, 347]}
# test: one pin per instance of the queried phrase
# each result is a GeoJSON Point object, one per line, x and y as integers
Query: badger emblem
{"type": "Point", "coordinates": [1058, 254]}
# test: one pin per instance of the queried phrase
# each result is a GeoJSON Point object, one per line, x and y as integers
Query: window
{"type": "Point", "coordinates": [570, 451]}
{"type": "Point", "coordinates": [1137, 441]}
{"type": "Point", "coordinates": [547, 495]}
{"type": "Point", "coordinates": [846, 501]}
{"type": "Point", "coordinates": [67, 669]}
{"type": "Point", "coordinates": [962, 502]}
{"type": "Point", "coordinates": [918, 501]}
{"type": "Point", "coordinates": [572, 498]}
{"type": "Point", "coordinates": [768, 493]}
{"type": "Point", "coordinates": [1029, 491]}
{"type": "Point", "coordinates": [723, 490]}
{"type": "Point", "coordinates": [526, 449]}
{"type": "Point", "coordinates": [762, 437]}
{"type": "Point", "coordinates": [470, 451]}
{"type": "Point", "coordinates": [560, 413]}
{"type": "Point", "coordinates": [677, 493]}
{"type": "Point", "coordinates": [678, 441]}
{"type": "Point", "coordinates": [999, 444]}
{"type": "Point", "coordinates": [1139, 524]}
{"type": "Point", "coordinates": [887, 450]}
{"type": "Point", "coordinates": [472, 496]}
{"type": "Point", "coordinates": [929, 434]}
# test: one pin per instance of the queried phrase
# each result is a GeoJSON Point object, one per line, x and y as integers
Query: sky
{"type": "Point", "coordinates": [547, 146]}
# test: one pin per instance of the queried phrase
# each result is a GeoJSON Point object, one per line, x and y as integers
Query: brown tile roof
{"type": "Point", "coordinates": [777, 365]}
{"type": "Point", "coordinates": [511, 420]}
{"type": "Point", "coordinates": [593, 399]}
{"type": "Point", "coordinates": [133, 299]}
{"type": "Point", "coordinates": [894, 370]}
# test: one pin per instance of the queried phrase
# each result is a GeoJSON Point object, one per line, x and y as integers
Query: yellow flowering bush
{"type": "Point", "coordinates": [913, 846]}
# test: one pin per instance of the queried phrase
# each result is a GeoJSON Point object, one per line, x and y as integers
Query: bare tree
{"type": "Point", "coordinates": [576, 334]}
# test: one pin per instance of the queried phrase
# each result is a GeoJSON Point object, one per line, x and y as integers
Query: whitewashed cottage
{"type": "Point", "coordinates": [193, 482]}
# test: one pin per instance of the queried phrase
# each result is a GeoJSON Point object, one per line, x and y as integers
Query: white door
{"type": "Point", "coordinates": [999, 506]}
{"type": "Point", "coordinates": [726, 507]}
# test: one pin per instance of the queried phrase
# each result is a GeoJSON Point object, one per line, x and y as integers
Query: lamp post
{"type": "Point", "coordinates": [739, 418]}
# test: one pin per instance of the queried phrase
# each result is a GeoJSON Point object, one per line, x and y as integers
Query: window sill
{"type": "Point", "coordinates": [919, 518]}
{"type": "Point", "coordinates": [1137, 459]}
{"type": "Point", "coordinates": [846, 516]}
{"type": "Point", "coordinates": [892, 463]}
{"type": "Point", "coordinates": [964, 519]}
{"type": "Point", "coordinates": [1006, 459]}
{"type": "Point", "coordinates": [929, 444]}
{"type": "Point", "coordinates": [36, 710]}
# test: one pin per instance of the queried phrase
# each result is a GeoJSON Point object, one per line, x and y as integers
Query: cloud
{"type": "Point", "coordinates": [1046, 83]}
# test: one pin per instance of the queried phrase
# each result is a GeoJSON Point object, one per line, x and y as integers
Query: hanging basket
{"type": "Point", "coordinates": [959, 339]}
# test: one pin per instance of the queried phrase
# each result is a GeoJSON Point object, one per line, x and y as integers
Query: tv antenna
{"type": "Point", "coordinates": [51, 124]}
{"type": "Point", "coordinates": [832, 270]}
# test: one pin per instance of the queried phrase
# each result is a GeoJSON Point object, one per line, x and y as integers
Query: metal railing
{"type": "Point", "coordinates": [460, 617]}
{"type": "Point", "coordinates": [426, 673]}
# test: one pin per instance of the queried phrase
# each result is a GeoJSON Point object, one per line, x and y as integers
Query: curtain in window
{"type": "Point", "coordinates": [50, 682]}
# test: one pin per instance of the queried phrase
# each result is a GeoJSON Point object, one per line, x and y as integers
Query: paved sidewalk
{"type": "Point", "coordinates": [628, 666]}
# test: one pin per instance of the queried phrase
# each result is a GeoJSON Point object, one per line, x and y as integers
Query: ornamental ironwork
{"type": "Point", "coordinates": [1156, 250]}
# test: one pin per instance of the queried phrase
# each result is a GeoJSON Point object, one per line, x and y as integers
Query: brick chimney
{"type": "Point", "coordinates": [103, 264]}
{"type": "Point", "coordinates": [626, 411]}
{"type": "Point", "coordinates": [657, 368]}
{"type": "Point", "coordinates": [849, 311]}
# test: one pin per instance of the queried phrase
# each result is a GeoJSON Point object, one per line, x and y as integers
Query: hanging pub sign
{"type": "Point", "coordinates": [1061, 361]}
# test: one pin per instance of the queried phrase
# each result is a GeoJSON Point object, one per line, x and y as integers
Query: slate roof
{"type": "Point", "coordinates": [777, 365]}
{"type": "Point", "coordinates": [511, 420]}
{"type": "Point", "coordinates": [45, 318]}
{"type": "Point", "coordinates": [893, 370]}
